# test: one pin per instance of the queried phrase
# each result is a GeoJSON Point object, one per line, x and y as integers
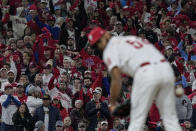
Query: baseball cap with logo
{"type": "Point", "coordinates": [46, 97]}
{"type": "Point", "coordinates": [95, 35]}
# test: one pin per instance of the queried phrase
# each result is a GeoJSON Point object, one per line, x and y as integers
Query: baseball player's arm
{"type": "Point", "coordinates": [115, 87]}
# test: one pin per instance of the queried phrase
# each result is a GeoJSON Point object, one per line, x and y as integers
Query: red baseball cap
{"type": "Point", "coordinates": [95, 35]}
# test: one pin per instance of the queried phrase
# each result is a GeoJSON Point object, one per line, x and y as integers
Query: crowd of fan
{"type": "Point", "coordinates": [52, 80]}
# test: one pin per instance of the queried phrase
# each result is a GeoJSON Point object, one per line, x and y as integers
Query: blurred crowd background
{"type": "Point", "coordinates": [52, 80]}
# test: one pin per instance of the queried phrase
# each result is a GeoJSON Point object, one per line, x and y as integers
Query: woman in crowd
{"type": "Point", "coordinates": [22, 119]}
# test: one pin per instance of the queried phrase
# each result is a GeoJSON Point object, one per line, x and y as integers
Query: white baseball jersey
{"type": "Point", "coordinates": [128, 53]}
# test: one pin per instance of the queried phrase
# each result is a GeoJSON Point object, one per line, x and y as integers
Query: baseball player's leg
{"type": "Point", "coordinates": [166, 104]}
{"type": "Point", "coordinates": [142, 95]}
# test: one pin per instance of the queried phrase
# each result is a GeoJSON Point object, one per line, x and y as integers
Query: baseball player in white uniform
{"type": "Point", "coordinates": [153, 76]}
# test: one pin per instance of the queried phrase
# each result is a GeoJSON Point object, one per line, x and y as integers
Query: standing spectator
{"type": "Point", "coordinates": [47, 113]}
{"type": "Point", "coordinates": [19, 22]}
{"type": "Point", "coordinates": [11, 79]}
{"type": "Point", "coordinates": [47, 75]}
{"type": "Point", "coordinates": [39, 82]}
{"type": "Point", "coordinates": [55, 30]}
{"type": "Point", "coordinates": [39, 126]}
{"type": "Point", "coordinates": [96, 110]}
{"type": "Point", "coordinates": [118, 29]}
{"type": "Point", "coordinates": [77, 114]}
{"type": "Point", "coordinates": [24, 81]}
{"type": "Point", "coordinates": [9, 106]}
{"type": "Point", "coordinates": [57, 103]}
{"type": "Point", "coordinates": [22, 119]}
{"type": "Point", "coordinates": [3, 75]}
{"type": "Point", "coordinates": [20, 93]}
{"type": "Point", "coordinates": [67, 124]}
{"type": "Point", "coordinates": [32, 71]}
{"type": "Point", "coordinates": [194, 104]}
{"type": "Point", "coordinates": [33, 99]}
{"type": "Point", "coordinates": [184, 108]}
{"type": "Point", "coordinates": [59, 126]}
{"type": "Point", "coordinates": [62, 91]}
{"type": "Point", "coordinates": [116, 122]}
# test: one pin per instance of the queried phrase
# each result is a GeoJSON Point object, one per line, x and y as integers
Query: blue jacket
{"type": "Point", "coordinates": [54, 115]}
{"type": "Point", "coordinates": [54, 30]}
{"type": "Point", "coordinates": [183, 53]}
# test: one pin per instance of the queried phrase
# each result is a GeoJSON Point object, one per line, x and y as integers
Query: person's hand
{"type": "Point", "coordinates": [83, 33]}
{"type": "Point", "coordinates": [98, 106]}
{"type": "Point", "coordinates": [11, 58]}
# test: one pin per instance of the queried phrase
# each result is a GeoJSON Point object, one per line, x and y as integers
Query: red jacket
{"type": "Point", "coordinates": [34, 27]}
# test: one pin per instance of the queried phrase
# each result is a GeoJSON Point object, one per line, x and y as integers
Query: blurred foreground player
{"type": "Point", "coordinates": [153, 76]}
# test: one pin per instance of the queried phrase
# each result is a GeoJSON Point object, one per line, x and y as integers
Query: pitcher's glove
{"type": "Point", "coordinates": [122, 110]}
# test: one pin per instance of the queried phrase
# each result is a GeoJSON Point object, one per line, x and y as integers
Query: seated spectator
{"type": "Point", "coordinates": [22, 119]}
{"type": "Point", "coordinates": [9, 104]}
{"type": "Point", "coordinates": [33, 99]}
{"type": "Point", "coordinates": [77, 114]}
{"type": "Point", "coordinates": [59, 126]}
{"type": "Point", "coordinates": [39, 126]}
{"type": "Point", "coordinates": [47, 113]}
{"type": "Point", "coordinates": [67, 124]}
{"type": "Point", "coordinates": [95, 109]}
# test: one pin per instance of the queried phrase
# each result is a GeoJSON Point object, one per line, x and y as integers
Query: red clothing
{"type": "Point", "coordinates": [22, 99]}
{"type": "Point", "coordinates": [89, 60]}
{"type": "Point", "coordinates": [34, 27]}
{"type": "Point", "coordinates": [70, 129]}
{"type": "Point", "coordinates": [62, 111]}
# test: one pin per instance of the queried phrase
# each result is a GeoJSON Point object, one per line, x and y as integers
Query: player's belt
{"type": "Point", "coordinates": [148, 63]}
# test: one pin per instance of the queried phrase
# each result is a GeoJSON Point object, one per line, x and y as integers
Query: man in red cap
{"type": "Point", "coordinates": [138, 58]}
